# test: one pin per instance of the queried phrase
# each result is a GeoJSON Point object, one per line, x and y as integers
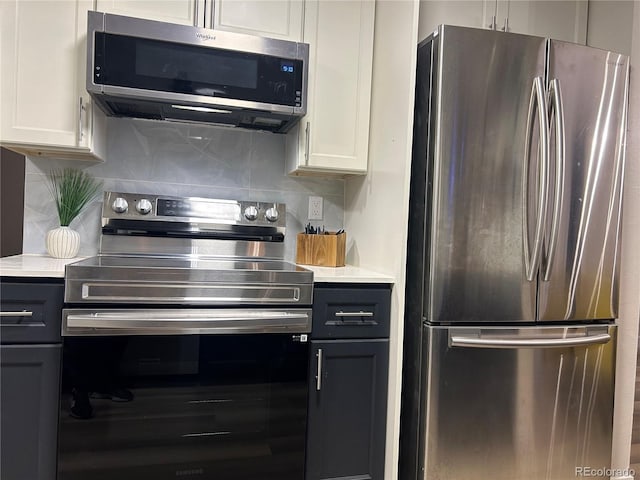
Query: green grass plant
{"type": "Point", "coordinates": [72, 190]}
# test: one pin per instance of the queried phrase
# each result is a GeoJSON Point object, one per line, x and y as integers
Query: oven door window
{"type": "Point", "coordinates": [200, 407]}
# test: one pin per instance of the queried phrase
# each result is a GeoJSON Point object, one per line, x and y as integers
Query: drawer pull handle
{"type": "Point", "coordinates": [353, 323]}
{"type": "Point", "coordinates": [319, 371]}
{"type": "Point", "coordinates": [354, 314]}
{"type": "Point", "coordinates": [23, 313]}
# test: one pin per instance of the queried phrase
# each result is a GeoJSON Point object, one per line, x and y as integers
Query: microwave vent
{"type": "Point", "coordinates": [121, 109]}
{"type": "Point", "coordinates": [243, 118]}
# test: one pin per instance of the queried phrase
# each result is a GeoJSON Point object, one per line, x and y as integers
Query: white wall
{"type": "Point", "coordinates": [376, 206]}
{"type": "Point", "coordinates": [630, 277]}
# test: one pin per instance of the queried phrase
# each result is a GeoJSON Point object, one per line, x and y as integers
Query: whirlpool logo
{"type": "Point", "coordinates": [190, 472]}
{"type": "Point", "coordinates": [205, 36]}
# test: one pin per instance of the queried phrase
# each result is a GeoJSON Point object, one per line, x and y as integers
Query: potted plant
{"type": "Point", "coordinates": [72, 190]}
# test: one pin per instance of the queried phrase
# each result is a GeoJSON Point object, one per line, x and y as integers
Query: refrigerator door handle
{"type": "Point", "coordinates": [497, 342]}
{"type": "Point", "coordinates": [537, 103]}
{"type": "Point", "coordinates": [556, 112]}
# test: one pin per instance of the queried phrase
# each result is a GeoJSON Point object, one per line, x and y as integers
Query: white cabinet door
{"type": "Point", "coordinates": [185, 12]}
{"type": "Point", "coordinates": [334, 135]}
{"type": "Point", "coordinates": [39, 95]}
{"type": "Point", "coordinates": [464, 13]}
{"type": "Point", "coordinates": [267, 18]}
{"type": "Point", "coordinates": [558, 19]}
{"type": "Point", "coordinates": [45, 107]}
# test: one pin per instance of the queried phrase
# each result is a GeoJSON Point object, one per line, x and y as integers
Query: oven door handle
{"type": "Point", "coordinates": [86, 322]}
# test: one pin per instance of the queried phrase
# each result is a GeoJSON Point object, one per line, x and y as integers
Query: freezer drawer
{"type": "Point", "coordinates": [522, 403]}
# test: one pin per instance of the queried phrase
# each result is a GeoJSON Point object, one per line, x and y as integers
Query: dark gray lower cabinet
{"type": "Point", "coordinates": [29, 382]}
{"type": "Point", "coordinates": [30, 357]}
{"type": "Point", "coordinates": [347, 409]}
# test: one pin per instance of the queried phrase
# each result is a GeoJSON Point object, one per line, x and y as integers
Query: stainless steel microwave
{"type": "Point", "coordinates": [162, 71]}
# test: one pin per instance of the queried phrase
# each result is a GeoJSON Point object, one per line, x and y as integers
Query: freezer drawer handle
{"type": "Point", "coordinates": [475, 342]}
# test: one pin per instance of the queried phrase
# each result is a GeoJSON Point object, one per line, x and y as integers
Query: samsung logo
{"type": "Point", "coordinates": [205, 36]}
{"type": "Point", "coordinates": [188, 473]}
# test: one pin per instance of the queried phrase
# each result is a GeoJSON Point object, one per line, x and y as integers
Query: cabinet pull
{"type": "Point", "coordinates": [196, 12]}
{"type": "Point", "coordinates": [307, 130]}
{"type": "Point", "coordinates": [494, 21]}
{"type": "Point", "coordinates": [354, 314]}
{"type": "Point", "coordinates": [80, 132]}
{"type": "Point", "coordinates": [23, 313]}
{"type": "Point", "coordinates": [319, 370]}
{"type": "Point", "coordinates": [207, 16]}
{"type": "Point", "coordinates": [505, 27]}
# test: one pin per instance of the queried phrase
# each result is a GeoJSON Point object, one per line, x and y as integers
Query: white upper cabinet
{"type": "Point", "coordinates": [333, 137]}
{"type": "Point", "coordinates": [185, 12]}
{"type": "Point", "coordinates": [46, 109]}
{"type": "Point", "coordinates": [464, 13]}
{"type": "Point", "coordinates": [557, 19]}
{"type": "Point", "coordinates": [267, 18]}
{"type": "Point", "coordinates": [611, 24]}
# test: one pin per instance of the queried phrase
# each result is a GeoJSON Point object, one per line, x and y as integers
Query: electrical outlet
{"type": "Point", "coordinates": [315, 208]}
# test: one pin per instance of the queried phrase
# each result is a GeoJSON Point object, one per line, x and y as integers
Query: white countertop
{"type": "Point", "coordinates": [34, 266]}
{"type": "Point", "coordinates": [48, 267]}
{"type": "Point", "coordinates": [347, 274]}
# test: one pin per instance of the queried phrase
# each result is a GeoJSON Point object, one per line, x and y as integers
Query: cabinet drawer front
{"type": "Point", "coordinates": [361, 312]}
{"type": "Point", "coordinates": [30, 312]}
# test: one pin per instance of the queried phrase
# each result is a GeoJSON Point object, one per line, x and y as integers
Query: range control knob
{"type": "Point", "coordinates": [143, 206]}
{"type": "Point", "coordinates": [271, 214]}
{"type": "Point", "coordinates": [119, 205]}
{"type": "Point", "coordinates": [251, 212]}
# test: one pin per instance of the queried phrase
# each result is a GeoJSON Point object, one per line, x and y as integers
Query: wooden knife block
{"type": "Point", "coordinates": [321, 250]}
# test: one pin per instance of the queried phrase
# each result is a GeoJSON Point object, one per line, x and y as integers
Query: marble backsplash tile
{"type": "Point", "coordinates": [182, 160]}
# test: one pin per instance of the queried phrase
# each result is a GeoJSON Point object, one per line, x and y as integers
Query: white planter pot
{"type": "Point", "coordinates": [62, 242]}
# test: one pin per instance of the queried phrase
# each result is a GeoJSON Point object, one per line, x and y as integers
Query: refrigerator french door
{"type": "Point", "coordinates": [514, 219]}
{"type": "Point", "coordinates": [505, 202]}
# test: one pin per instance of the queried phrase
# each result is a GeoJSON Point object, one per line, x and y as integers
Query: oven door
{"type": "Point", "coordinates": [163, 394]}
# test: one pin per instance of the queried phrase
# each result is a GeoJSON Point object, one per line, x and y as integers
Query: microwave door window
{"type": "Point", "coordinates": [131, 62]}
{"type": "Point", "coordinates": [186, 68]}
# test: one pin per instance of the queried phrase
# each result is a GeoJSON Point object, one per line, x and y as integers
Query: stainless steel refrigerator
{"type": "Point", "coordinates": [513, 258]}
